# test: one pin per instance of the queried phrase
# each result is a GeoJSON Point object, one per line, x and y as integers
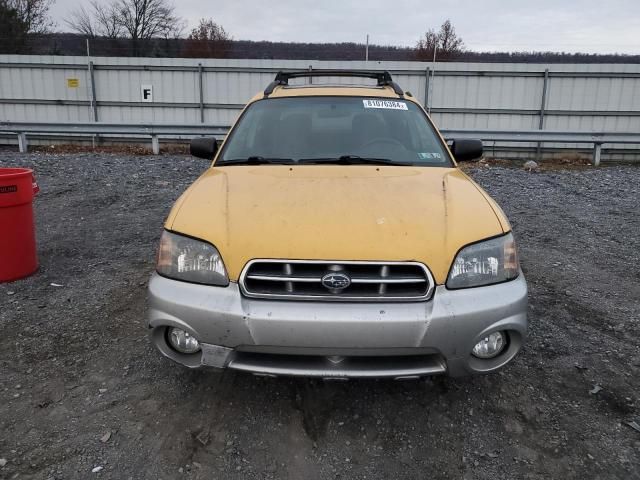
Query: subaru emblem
{"type": "Point", "coordinates": [336, 281]}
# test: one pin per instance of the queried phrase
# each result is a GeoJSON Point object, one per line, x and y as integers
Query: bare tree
{"type": "Point", "coordinates": [450, 43]}
{"type": "Point", "coordinates": [107, 20]}
{"type": "Point", "coordinates": [207, 29]}
{"type": "Point", "coordinates": [208, 40]}
{"type": "Point", "coordinates": [144, 19]}
{"type": "Point", "coordinates": [137, 19]}
{"type": "Point", "coordinates": [446, 40]}
{"type": "Point", "coordinates": [82, 21]}
{"type": "Point", "coordinates": [427, 44]}
{"type": "Point", "coordinates": [140, 20]}
{"type": "Point", "coordinates": [34, 14]}
{"type": "Point", "coordinates": [100, 20]}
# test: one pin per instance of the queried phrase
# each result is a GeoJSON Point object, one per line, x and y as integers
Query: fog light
{"type": "Point", "coordinates": [182, 341]}
{"type": "Point", "coordinates": [490, 346]}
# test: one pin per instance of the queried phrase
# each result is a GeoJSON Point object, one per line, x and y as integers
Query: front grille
{"type": "Point", "coordinates": [325, 280]}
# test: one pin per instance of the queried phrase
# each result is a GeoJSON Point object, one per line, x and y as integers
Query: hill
{"type": "Point", "coordinates": [74, 44]}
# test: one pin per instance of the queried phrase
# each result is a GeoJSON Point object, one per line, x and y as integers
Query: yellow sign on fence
{"type": "Point", "coordinates": [73, 83]}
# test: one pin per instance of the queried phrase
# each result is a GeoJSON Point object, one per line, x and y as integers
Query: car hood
{"type": "Point", "coordinates": [337, 212]}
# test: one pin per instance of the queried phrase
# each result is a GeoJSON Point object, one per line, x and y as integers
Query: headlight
{"type": "Point", "coordinates": [485, 263]}
{"type": "Point", "coordinates": [190, 260]}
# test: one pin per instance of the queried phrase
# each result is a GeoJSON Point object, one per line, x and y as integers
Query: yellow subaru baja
{"type": "Point", "coordinates": [335, 237]}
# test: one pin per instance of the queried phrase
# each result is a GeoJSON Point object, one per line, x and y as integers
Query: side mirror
{"type": "Point", "coordinates": [466, 149]}
{"type": "Point", "coordinates": [204, 147]}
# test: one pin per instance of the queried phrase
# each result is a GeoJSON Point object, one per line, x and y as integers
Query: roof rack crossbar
{"type": "Point", "coordinates": [383, 77]}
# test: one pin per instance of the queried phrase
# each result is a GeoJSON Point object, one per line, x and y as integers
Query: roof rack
{"type": "Point", "coordinates": [383, 78]}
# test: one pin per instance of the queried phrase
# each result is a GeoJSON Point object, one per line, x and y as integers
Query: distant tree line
{"type": "Point", "coordinates": [152, 28]}
{"type": "Point", "coordinates": [75, 44]}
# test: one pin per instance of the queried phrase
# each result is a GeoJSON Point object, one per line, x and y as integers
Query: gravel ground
{"type": "Point", "coordinates": [81, 387]}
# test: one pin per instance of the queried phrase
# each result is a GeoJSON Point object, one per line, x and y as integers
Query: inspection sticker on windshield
{"type": "Point", "coordinates": [428, 155]}
{"type": "Point", "coordinates": [388, 104]}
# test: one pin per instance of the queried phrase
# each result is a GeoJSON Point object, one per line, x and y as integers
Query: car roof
{"type": "Point", "coordinates": [288, 91]}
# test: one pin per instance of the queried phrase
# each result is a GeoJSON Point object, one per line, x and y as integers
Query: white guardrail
{"type": "Point", "coordinates": [154, 131]}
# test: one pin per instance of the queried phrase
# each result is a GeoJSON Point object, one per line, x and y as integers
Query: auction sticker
{"type": "Point", "coordinates": [428, 155]}
{"type": "Point", "coordinates": [387, 104]}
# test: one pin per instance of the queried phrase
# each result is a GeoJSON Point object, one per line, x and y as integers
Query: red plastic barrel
{"type": "Point", "coordinates": [18, 257]}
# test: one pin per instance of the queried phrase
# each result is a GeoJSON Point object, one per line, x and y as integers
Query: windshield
{"type": "Point", "coordinates": [334, 130]}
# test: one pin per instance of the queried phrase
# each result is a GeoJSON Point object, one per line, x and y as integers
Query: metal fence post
{"type": "Point", "coordinates": [426, 87]}
{"type": "Point", "coordinates": [597, 150]}
{"type": "Point", "coordinates": [94, 100]}
{"type": "Point", "coordinates": [155, 144]}
{"type": "Point", "coordinates": [200, 86]}
{"type": "Point", "coordinates": [543, 106]}
{"type": "Point", "coordinates": [22, 142]}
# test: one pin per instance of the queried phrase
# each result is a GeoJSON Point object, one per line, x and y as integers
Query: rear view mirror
{"type": "Point", "coordinates": [204, 147]}
{"type": "Point", "coordinates": [466, 149]}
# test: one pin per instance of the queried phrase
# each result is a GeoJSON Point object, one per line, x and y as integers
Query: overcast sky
{"type": "Point", "coordinates": [594, 26]}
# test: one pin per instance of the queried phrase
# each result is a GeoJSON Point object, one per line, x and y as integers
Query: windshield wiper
{"type": "Point", "coordinates": [256, 160]}
{"type": "Point", "coordinates": [353, 160]}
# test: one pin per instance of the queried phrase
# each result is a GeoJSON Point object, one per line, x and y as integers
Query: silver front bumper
{"type": "Point", "coordinates": [339, 340]}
